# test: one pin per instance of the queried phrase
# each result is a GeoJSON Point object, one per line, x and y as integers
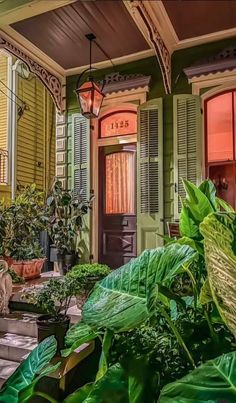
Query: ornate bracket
{"type": "Point", "coordinates": [115, 82]}
{"type": "Point", "coordinates": [51, 82]}
{"type": "Point", "coordinates": [142, 15]}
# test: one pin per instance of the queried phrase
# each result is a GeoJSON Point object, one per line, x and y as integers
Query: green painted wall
{"type": "Point", "coordinates": [148, 67]}
{"type": "Point", "coordinates": [187, 57]}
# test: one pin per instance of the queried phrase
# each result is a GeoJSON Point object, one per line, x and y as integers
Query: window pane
{"type": "Point", "coordinates": [220, 128]}
{"type": "Point", "coordinates": [120, 179]}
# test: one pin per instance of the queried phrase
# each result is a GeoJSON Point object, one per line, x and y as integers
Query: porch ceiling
{"type": "Point", "coordinates": [192, 18]}
{"type": "Point", "coordinates": [60, 33]}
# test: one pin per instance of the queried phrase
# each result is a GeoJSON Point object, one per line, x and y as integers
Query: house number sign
{"type": "Point", "coordinates": [118, 124]}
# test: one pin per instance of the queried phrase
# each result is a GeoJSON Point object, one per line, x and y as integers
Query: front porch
{"type": "Point", "coordinates": [117, 201]}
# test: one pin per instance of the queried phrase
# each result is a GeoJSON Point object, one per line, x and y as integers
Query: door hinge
{"type": "Point", "coordinates": [176, 188]}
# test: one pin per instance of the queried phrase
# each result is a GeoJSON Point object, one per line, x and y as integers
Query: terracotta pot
{"type": "Point", "coordinates": [32, 269]}
{"type": "Point", "coordinates": [29, 269]}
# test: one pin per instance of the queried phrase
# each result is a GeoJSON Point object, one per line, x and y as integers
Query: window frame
{"type": "Point", "coordinates": [212, 163]}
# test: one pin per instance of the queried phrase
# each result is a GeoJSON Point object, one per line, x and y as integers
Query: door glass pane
{"type": "Point", "coordinates": [120, 180]}
{"type": "Point", "coordinates": [220, 128]}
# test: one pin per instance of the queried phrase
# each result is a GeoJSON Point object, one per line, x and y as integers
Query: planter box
{"type": "Point", "coordinates": [28, 269]}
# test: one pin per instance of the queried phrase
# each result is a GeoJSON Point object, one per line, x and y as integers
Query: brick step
{"type": "Point", "coordinates": [6, 369]}
{"type": "Point", "coordinates": [15, 347]}
{"type": "Point", "coordinates": [21, 323]}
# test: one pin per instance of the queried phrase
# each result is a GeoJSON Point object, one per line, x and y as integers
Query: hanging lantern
{"type": "Point", "coordinates": [89, 95]}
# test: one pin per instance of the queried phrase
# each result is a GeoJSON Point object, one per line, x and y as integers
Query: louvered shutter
{"type": "Point", "coordinates": [80, 155]}
{"type": "Point", "coordinates": [187, 144]}
{"type": "Point", "coordinates": [81, 176]}
{"type": "Point", "coordinates": [150, 175]}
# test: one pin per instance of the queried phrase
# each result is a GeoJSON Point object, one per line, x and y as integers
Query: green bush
{"type": "Point", "coordinates": [86, 275]}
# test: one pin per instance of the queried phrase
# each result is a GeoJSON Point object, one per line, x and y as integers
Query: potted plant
{"type": "Point", "coordinates": [23, 221]}
{"type": "Point", "coordinates": [84, 277]}
{"type": "Point", "coordinates": [67, 210]}
{"type": "Point", "coordinates": [53, 299]}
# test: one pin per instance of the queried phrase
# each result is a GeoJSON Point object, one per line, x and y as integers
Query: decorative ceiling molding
{"type": "Point", "coordinates": [223, 61]}
{"type": "Point", "coordinates": [145, 22]}
{"type": "Point", "coordinates": [116, 82]}
{"type": "Point", "coordinates": [51, 82]}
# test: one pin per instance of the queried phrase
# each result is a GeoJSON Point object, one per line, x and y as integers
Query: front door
{"type": "Point", "coordinates": [117, 221]}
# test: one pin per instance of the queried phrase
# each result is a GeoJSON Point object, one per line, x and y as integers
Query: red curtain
{"type": "Point", "coordinates": [120, 183]}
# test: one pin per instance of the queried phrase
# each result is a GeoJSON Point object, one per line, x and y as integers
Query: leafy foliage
{"type": "Point", "coordinates": [25, 373]}
{"type": "Point", "coordinates": [53, 297]}
{"type": "Point", "coordinates": [219, 231]}
{"type": "Point", "coordinates": [214, 381]}
{"type": "Point", "coordinates": [15, 278]}
{"type": "Point", "coordinates": [22, 223]}
{"type": "Point", "coordinates": [119, 302]}
{"type": "Point", "coordinates": [158, 317]}
{"type": "Point", "coordinates": [86, 275]}
{"type": "Point", "coordinates": [67, 210]}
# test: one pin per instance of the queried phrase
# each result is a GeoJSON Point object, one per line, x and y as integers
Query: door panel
{"type": "Point", "coordinates": [117, 223]}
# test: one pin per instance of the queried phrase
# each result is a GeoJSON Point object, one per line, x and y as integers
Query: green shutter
{"type": "Point", "coordinates": [81, 175]}
{"type": "Point", "coordinates": [150, 175]}
{"type": "Point", "coordinates": [187, 144]}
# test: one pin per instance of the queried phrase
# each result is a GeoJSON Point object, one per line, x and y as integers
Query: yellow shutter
{"type": "Point", "coordinates": [35, 135]}
{"type": "Point", "coordinates": [3, 101]}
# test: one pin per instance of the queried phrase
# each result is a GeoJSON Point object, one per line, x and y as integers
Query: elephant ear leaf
{"type": "Point", "coordinates": [198, 203]}
{"type": "Point", "coordinates": [219, 231]}
{"type": "Point", "coordinates": [214, 381]}
{"type": "Point", "coordinates": [25, 373]}
{"type": "Point", "coordinates": [119, 302]}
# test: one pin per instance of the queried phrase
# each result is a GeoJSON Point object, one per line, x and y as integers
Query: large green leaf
{"type": "Point", "coordinates": [25, 373]}
{"type": "Point", "coordinates": [198, 203]}
{"type": "Point", "coordinates": [187, 225]}
{"type": "Point", "coordinates": [208, 188]}
{"type": "Point", "coordinates": [219, 231]}
{"type": "Point", "coordinates": [77, 335]}
{"type": "Point", "coordinates": [212, 382]}
{"type": "Point", "coordinates": [113, 387]}
{"type": "Point", "coordinates": [119, 302]}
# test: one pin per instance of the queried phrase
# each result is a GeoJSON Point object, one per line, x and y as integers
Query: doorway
{"type": "Point", "coordinates": [117, 201]}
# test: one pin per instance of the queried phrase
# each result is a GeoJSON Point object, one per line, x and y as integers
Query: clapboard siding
{"type": "Point", "coordinates": [35, 135]}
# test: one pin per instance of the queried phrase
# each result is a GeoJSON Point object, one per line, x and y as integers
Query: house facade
{"type": "Point", "coordinates": [168, 112]}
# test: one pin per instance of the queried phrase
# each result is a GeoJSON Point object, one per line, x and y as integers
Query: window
{"type": "Point", "coordinates": [221, 144]}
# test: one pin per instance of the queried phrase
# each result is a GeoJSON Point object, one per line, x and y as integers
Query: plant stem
{"type": "Point", "coordinates": [214, 336]}
{"type": "Point", "coordinates": [177, 335]}
{"type": "Point", "coordinates": [45, 396]}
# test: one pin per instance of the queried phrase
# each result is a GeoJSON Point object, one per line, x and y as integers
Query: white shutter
{"type": "Point", "coordinates": [187, 144]}
{"type": "Point", "coordinates": [150, 174]}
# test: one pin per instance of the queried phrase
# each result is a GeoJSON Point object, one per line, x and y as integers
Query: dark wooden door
{"type": "Point", "coordinates": [117, 221]}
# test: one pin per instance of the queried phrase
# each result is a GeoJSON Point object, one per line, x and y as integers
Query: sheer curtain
{"type": "Point", "coordinates": [120, 183]}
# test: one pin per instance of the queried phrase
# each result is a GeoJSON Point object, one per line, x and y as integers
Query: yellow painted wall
{"type": "Point", "coordinates": [3, 102]}
{"type": "Point", "coordinates": [35, 135]}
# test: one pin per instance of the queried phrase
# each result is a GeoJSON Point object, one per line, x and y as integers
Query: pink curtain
{"type": "Point", "coordinates": [120, 183]}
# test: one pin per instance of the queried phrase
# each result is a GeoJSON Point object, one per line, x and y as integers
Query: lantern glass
{"type": "Point", "coordinates": [90, 99]}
